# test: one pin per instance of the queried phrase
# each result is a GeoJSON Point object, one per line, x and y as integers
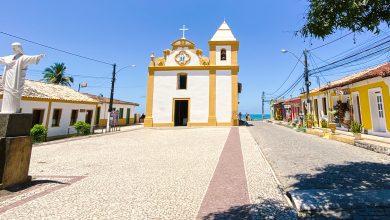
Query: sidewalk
{"type": "Point", "coordinates": [96, 134]}
{"type": "Point", "coordinates": [369, 142]}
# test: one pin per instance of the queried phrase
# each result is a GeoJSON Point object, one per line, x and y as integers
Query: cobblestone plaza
{"type": "Point", "coordinates": [179, 173]}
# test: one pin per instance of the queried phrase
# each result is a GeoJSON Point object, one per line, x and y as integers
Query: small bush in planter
{"type": "Point", "coordinates": [356, 127]}
{"type": "Point", "coordinates": [38, 133]}
{"type": "Point", "coordinates": [82, 128]}
{"type": "Point", "coordinates": [324, 123]}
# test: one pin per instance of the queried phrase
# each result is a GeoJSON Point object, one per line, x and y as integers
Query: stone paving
{"type": "Point", "coordinates": [305, 162]}
{"type": "Point", "coordinates": [144, 174]}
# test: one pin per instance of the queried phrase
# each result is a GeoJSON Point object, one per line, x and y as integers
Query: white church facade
{"type": "Point", "coordinates": [186, 88]}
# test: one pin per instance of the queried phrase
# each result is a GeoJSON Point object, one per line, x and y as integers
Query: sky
{"type": "Point", "coordinates": [127, 32]}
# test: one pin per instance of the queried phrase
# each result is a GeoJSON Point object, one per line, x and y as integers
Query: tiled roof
{"type": "Point", "coordinates": [42, 90]}
{"type": "Point", "coordinates": [107, 100]}
{"type": "Point", "coordinates": [382, 70]}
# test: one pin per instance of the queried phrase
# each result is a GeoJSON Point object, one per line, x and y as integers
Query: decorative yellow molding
{"type": "Point", "coordinates": [212, 97]}
{"type": "Point", "coordinates": [171, 124]}
{"type": "Point", "coordinates": [148, 122]}
{"type": "Point", "coordinates": [235, 121]}
{"type": "Point", "coordinates": [231, 43]}
{"type": "Point", "coordinates": [55, 100]}
{"type": "Point", "coordinates": [183, 68]}
{"type": "Point", "coordinates": [213, 55]}
{"type": "Point", "coordinates": [224, 124]}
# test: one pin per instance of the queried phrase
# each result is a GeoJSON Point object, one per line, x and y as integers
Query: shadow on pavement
{"type": "Point", "coordinates": [349, 191]}
{"type": "Point", "coordinates": [269, 209]}
{"type": "Point", "coordinates": [27, 185]}
{"type": "Point", "coordinates": [353, 175]}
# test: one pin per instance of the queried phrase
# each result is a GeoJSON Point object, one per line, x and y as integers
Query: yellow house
{"type": "Point", "coordinates": [363, 97]}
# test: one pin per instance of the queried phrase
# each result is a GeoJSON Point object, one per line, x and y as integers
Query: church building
{"type": "Point", "coordinates": [186, 88]}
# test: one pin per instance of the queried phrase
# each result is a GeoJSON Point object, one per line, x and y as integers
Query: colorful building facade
{"type": "Point", "coordinates": [363, 97]}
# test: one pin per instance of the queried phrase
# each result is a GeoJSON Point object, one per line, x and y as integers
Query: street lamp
{"type": "Point", "coordinates": [114, 72]}
{"type": "Point", "coordinates": [306, 72]}
{"type": "Point", "coordinates": [82, 85]}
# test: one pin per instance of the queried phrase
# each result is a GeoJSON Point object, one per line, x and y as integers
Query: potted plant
{"type": "Point", "coordinates": [332, 124]}
{"type": "Point", "coordinates": [310, 120]}
{"type": "Point", "coordinates": [356, 129]}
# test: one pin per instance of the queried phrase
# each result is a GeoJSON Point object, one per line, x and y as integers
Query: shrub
{"type": "Point", "coordinates": [38, 133]}
{"type": "Point", "coordinates": [324, 123]}
{"type": "Point", "coordinates": [82, 128]}
{"type": "Point", "coordinates": [356, 127]}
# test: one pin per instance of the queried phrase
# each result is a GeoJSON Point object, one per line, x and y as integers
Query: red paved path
{"type": "Point", "coordinates": [228, 187]}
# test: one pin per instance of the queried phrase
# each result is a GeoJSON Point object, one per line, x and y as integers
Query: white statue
{"type": "Point", "coordinates": [13, 78]}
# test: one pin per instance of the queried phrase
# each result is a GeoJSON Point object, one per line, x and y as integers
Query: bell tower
{"type": "Point", "coordinates": [223, 76]}
{"type": "Point", "coordinates": [223, 47]}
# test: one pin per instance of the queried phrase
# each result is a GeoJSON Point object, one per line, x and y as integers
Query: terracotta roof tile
{"type": "Point", "coordinates": [42, 90]}
{"type": "Point", "coordinates": [382, 70]}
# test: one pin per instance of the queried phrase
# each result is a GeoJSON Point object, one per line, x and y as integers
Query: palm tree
{"type": "Point", "coordinates": [55, 74]}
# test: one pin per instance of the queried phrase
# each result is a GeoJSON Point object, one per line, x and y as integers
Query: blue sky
{"type": "Point", "coordinates": [126, 32]}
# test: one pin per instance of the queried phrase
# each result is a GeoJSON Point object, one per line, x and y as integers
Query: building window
{"type": "Point", "coordinates": [73, 117]}
{"type": "Point", "coordinates": [223, 54]}
{"type": "Point", "coordinates": [88, 116]}
{"type": "Point", "coordinates": [37, 116]}
{"type": "Point", "coordinates": [182, 81]}
{"type": "Point", "coordinates": [324, 109]}
{"type": "Point", "coordinates": [120, 113]}
{"type": "Point", "coordinates": [56, 117]}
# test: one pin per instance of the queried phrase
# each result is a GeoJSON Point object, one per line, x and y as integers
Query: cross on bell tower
{"type": "Point", "coordinates": [184, 29]}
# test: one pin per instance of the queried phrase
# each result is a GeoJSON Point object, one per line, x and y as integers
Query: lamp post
{"type": "Point", "coordinates": [82, 85]}
{"type": "Point", "coordinates": [114, 72]}
{"type": "Point", "coordinates": [305, 73]}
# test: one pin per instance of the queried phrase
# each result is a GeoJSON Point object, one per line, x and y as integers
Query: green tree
{"type": "Point", "coordinates": [324, 17]}
{"type": "Point", "coordinates": [55, 74]}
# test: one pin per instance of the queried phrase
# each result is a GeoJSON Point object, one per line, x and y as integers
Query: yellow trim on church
{"type": "Point", "coordinates": [212, 68]}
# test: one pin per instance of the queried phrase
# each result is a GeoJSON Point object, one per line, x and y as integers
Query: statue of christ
{"type": "Point", "coordinates": [13, 77]}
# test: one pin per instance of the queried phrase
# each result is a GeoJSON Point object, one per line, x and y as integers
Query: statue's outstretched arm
{"type": "Point", "coordinates": [2, 60]}
{"type": "Point", "coordinates": [33, 59]}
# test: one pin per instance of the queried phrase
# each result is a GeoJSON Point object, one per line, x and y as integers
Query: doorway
{"type": "Point", "coordinates": [377, 111]}
{"type": "Point", "coordinates": [180, 112]}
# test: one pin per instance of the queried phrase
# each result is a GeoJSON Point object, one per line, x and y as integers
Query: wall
{"type": "Point", "coordinates": [223, 96]}
{"type": "Point", "coordinates": [65, 117]}
{"type": "Point", "coordinates": [165, 89]}
{"type": "Point", "coordinates": [104, 109]}
{"type": "Point", "coordinates": [28, 106]}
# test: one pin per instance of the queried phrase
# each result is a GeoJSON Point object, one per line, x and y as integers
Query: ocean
{"type": "Point", "coordinates": [257, 117]}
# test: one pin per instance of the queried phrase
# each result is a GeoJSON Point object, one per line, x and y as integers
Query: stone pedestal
{"type": "Point", "coordinates": [15, 148]}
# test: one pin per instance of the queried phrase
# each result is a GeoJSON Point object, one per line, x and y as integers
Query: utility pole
{"type": "Point", "coordinates": [111, 98]}
{"type": "Point", "coordinates": [112, 87]}
{"type": "Point", "coordinates": [307, 82]}
{"type": "Point", "coordinates": [262, 106]}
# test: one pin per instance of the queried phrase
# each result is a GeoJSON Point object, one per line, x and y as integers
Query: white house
{"type": "Point", "coordinates": [56, 107]}
{"type": "Point", "coordinates": [125, 109]}
{"type": "Point", "coordinates": [186, 88]}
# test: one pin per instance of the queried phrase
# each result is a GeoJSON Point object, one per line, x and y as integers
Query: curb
{"type": "Point", "coordinates": [82, 137]}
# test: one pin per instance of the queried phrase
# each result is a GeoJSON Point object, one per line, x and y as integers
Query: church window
{"type": "Point", "coordinates": [223, 54]}
{"type": "Point", "coordinates": [182, 81]}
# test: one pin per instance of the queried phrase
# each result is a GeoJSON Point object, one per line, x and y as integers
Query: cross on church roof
{"type": "Point", "coordinates": [184, 29]}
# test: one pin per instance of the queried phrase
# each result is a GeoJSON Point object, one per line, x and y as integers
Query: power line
{"type": "Point", "coordinates": [299, 60]}
{"type": "Point", "coordinates": [356, 56]}
{"type": "Point", "coordinates": [77, 75]}
{"type": "Point", "coordinates": [52, 48]}
{"type": "Point", "coordinates": [330, 42]}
